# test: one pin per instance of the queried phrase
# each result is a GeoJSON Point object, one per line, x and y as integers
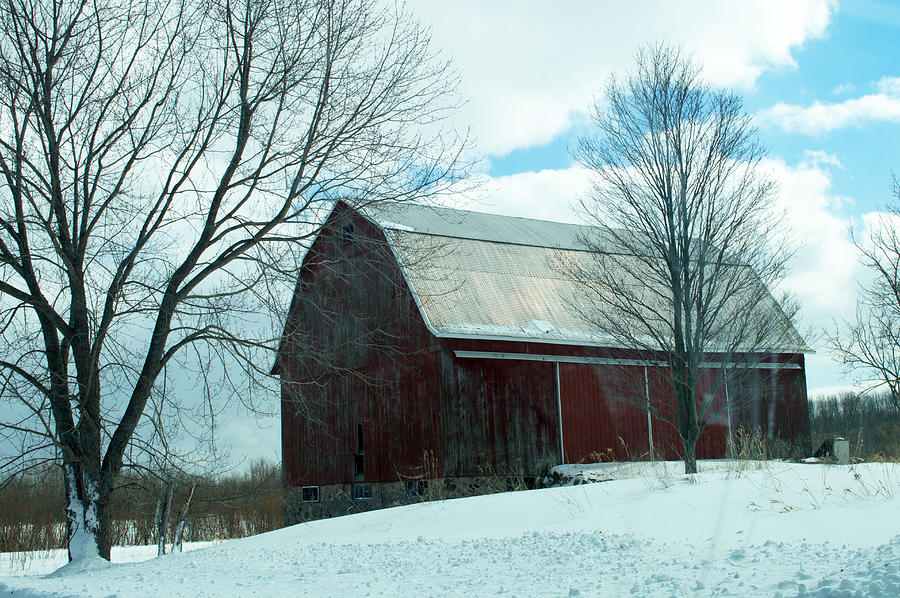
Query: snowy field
{"type": "Point", "coordinates": [736, 529]}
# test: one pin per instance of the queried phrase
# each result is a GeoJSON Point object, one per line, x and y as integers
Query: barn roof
{"type": "Point", "coordinates": [486, 276]}
{"type": "Point", "coordinates": [478, 226]}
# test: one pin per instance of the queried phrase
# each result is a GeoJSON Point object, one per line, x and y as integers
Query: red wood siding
{"type": "Point", "coordinates": [357, 354]}
{"type": "Point", "coordinates": [600, 419]}
{"type": "Point", "coordinates": [666, 439]}
{"type": "Point", "coordinates": [713, 441]}
{"type": "Point", "coordinates": [773, 403]}
{"type": "Point", "coordinates": [603, 413]}
{"type": "Point", "coordinates": [501, 418]}
{"type": "Point", "coordinates": [604, 417]}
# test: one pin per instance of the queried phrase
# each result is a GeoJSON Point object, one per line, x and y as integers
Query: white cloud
{"type": "Point", "coordinates": [529, 69]}
{"type": "Point", "coordinates": [824, 392]}
{"type": "Point", "coordinates": [819, 117]}
{"type": "Point", "coordinates": [818, 158]}
{"type": "Point", "coordinates": [248, 437]}
{"type": "Point", "coordinates": [545, 195]}
{"type": "Point", "coordinates": [822, 274]}
{"type": "Point", "coordinates": [822, 117]}
{"type": "Point", "coordinates": [889, 85]}
{"type": "Point", "coordinates": [843, 88]}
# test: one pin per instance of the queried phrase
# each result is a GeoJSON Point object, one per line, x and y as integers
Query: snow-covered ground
{"type": "Point", "coordinates": [738, 529]}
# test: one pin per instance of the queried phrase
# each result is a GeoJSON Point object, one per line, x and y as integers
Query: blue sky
{"type": "Point", "coordinates": [822, 78]}
{"type": "Point", "coordinates": [858, 48]}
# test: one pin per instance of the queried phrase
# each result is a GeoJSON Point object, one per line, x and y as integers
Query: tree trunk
{"type": "Point", "coordinates": [688, 424]}
{"type": "Point", "coordinates": [690, 455]}
{"type": "Point", "coordinates": [163, 508]}
{"type": "Point", "coordinates": [179, 530]}
{"type": "Point", "coordinates": [87, 515]}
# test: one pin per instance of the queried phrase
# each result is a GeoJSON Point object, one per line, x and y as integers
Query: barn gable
{"type": "Point", "coordinates": [354, 351]}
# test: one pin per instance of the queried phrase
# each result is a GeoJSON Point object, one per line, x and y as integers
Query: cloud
{"type": "Point", "coordinates": [820, 157]}
{"type": "Point", "coordinates": [889, 86]}
{"type": "Point", "coordinates": [529, 70]}
{"type": "Point", "coordinates": [545, 194]}
{"type": "Point", "coordinates": [822, 117]}
{"type": "Point", "coordinates": [824, 392]}
{"type": "Point", "coordinates": [843, 88]}
{"type": "Point", "coordinates": [249, 437]}
{"type": "Point", "coordinates": [819, 118]}
{"type": "Point", "coordinates": [823, 272]}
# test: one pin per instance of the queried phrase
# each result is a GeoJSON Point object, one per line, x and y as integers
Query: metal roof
{"type": "Point", "coordinates": [486, 276]}
{"type": "Point", "coordinates": [463, 224]}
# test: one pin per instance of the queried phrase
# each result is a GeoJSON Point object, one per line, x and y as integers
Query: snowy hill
{"type": "Point", "coordinates": [738, 528]}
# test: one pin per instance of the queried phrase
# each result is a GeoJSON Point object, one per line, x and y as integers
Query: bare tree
{"type": "Point", "coordinates": [687, 236]}
{"type": "Point", "coordinates": [870, 344]}
{"type": "Point", "coordinates": [159, 158]}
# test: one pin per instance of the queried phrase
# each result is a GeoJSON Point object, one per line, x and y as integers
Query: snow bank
{"type": "Point", "coordinates": [746, 529]}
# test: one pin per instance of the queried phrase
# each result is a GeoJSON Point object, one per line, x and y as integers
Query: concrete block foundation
{"type": "Point", "coordinates": [338, 499]}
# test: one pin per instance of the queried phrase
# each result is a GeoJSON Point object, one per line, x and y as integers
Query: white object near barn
{"type": "Point", "coordinates": [841, 451]}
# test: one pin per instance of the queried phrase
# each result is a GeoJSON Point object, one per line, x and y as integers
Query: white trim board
{"type": "Point", "coordinates": [762, 365]}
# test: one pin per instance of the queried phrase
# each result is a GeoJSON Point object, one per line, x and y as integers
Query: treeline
{"type": "Point", "coordinates": [869, 422]}
{"type": "Point", "coordinates": [32, 505]}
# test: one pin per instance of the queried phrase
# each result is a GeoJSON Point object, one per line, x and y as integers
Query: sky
{"type": "Point", "coordinates": [821, 77]}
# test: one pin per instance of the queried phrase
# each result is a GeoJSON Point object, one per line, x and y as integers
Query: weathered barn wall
{"type": "Point", "coordinates": [500, 418]}
{"type": "Point", "coordinates": [603, 407]}
{"type": "Point", "coordinates": [774, 404]}
{"type": "Point", "coordinates": [601, 421]}
{"type": "Point", "coordinates": [358, 367]}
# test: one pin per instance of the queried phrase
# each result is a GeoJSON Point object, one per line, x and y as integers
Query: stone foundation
{"type": "Point", "coordinates": [337, 499]}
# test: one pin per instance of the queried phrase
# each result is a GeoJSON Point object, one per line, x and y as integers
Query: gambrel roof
{"type": "Point", "coordinates": [486, 276]}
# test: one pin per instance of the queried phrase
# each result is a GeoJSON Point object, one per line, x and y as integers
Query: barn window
{"type": "Point", "coordinates": [359, 459]}
{"type": "Point", "coordinates": [310, 494]}
{"type": "Point", "coordinates": [348, 234]}
{"type": "Point", "coordinates": [362, 491]}
{"type": "Point", "coordinates": [416, 488]}
{"type": "Point", "coordinates": [359, 467]}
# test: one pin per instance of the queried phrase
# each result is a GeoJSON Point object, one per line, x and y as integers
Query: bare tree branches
{"type": "Point", "coordinates": [156, 157]}
{"type": "Point", "coordinates": [870, 344]}
{"type": "Point", "coordinates": [688, 240]}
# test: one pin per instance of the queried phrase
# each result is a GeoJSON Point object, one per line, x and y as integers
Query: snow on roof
{"type": "Point", "coordinates": [486, 276]}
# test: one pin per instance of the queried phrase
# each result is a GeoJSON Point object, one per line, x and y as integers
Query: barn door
{"type": "Point", "coordinates": [601, 419]}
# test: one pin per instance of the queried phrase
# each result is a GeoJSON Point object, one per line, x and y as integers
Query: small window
{"type": "Point", "coordinates": [416, 488]}
{"type": "Point", "coordinates": [310, 494]}
{"type": "Point", "coordinates": [359, 467]}
{"type": "Point", "coordinates": [348, 234]}
{"type": "Point", "coordinates": [362, 491]}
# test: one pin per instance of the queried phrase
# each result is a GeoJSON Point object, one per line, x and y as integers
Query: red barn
{"type": "Point", "coordinates": [434, 352]}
